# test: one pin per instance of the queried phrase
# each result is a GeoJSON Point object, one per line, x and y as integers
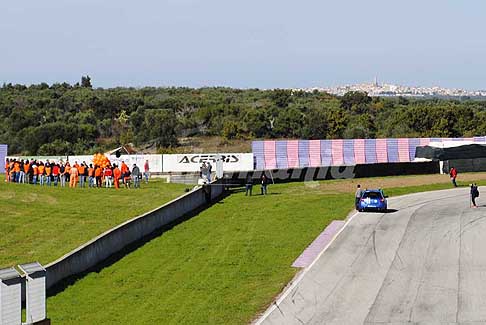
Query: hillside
{"type": "Point", "coordinates": [63, 119]}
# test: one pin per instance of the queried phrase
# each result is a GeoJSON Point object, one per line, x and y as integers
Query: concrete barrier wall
{"type": "Point", "coordinates": [115, 239]}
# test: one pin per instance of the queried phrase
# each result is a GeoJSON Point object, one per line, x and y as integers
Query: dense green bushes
{"type": "Point", "coordinates": [65, 119]}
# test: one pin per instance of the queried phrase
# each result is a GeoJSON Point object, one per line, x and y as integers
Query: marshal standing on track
{"type": "Point", "coordinates": [474, 194]}
{"type": "Point", "coordinates": [357, 196]}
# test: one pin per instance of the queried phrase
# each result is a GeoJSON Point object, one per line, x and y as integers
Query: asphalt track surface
{"type": "Point", "coordinates": [425, 263]}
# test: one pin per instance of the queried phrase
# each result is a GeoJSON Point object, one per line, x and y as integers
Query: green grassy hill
{"type": "Point", "coordinates": [44, 223]}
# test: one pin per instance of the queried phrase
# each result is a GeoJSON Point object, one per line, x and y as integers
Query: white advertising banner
{"type": "Point", "coordinates": [155, 161]}
{"type": "Point", "coordinates": [79, 159]}
{"type": "Point", "coordinates": [193, 162]}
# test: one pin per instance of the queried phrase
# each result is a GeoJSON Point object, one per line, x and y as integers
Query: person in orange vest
{"type": "Point", "coordinates": [77, 167]}
{"type": "Point", "coordinates": [98, 173]}
{"type": "Point", "coordinates": [124, 170]}
{"type": "Point", "coordinates": [35, 172]}
{"type": "Point", "coordinates": [91, 176]}
{"type": "Point", "coordinates": [73, 177]}
{"type": "Point", "coordinates": [41, 173]}
{"type": "Point", "coordinates": [26, 172]}
{"type": "Point", "coordinates": [7, 170]}
{"type": "Point", "coordinates": [81, 170]}
{"type": "Point", "coordinates": [116, 176]}
{"type": "Point", "coordinates": [12, 172]}
{"type": "Point", "coordinates": [48, 171]}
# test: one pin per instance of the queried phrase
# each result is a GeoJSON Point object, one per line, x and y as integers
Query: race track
{"type": "Point", "coordinates": [423, 264]}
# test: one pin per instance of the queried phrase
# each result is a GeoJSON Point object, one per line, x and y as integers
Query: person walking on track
{"type": "Point", "coordinates": [453, 175]}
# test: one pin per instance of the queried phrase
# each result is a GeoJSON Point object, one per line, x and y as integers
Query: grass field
{"type": "Point", "coordinates": [226, 264]}
{"type": "Point", "coordinates": [43, 223]}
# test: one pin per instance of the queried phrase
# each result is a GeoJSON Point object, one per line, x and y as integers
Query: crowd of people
{"type": "Point", "coordinates": [63, 174]}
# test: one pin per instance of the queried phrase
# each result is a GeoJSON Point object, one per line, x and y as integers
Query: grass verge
{"type": "Point", "coordinates": [44, 223]}
{"type": "Point", "coordinates": [223, 266]}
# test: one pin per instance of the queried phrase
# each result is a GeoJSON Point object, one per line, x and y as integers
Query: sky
{"type": "Point", "coordinates": [244, 44]}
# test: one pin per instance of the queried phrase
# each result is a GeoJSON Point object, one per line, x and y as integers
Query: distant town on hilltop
{"type": "Point", "coordinates": [376, 89]}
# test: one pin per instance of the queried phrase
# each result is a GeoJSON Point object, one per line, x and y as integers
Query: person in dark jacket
{"type": "Point", "coordinates": [136, 175]}
{"type": "Point", "coordinates": [249, 185]}
{"type": "Point", "coordinates": [357, 196]}
{"type": "Point", "coordinates": [474, 194]}
{"type": "Point", "coordinates": [264, 183]}
{"type": "Point", "coordinates": [209, 171]}
{"type": "Point", "coordinates": [62, 174]}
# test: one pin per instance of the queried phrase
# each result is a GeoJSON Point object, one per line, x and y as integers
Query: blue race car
{"type": "Point", "coordinates": [373, 200]}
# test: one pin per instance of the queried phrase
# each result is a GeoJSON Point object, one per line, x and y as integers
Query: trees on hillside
{"type": "Point", "coordinates": [65, 119]}
{"type": "Point", "coordinates": [86, 82]}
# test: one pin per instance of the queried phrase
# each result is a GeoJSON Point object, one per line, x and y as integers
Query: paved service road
{"type": "Point", "coordinates": [423, 264]}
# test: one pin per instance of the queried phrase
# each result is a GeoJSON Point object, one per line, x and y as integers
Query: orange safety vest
{"type": "Point", "coordinates": [36, 170]}
{"type": "Point", "coordinates": [48, 171]}
{"type": "Point", "coordinates": [41, 170]}
{"type": "Point", "coordinates": [81, 170]}
{"type": "Point", "coordinates": [17, 167]}
{"type": "Point", "coordinates": [74, 172]}
{"type": "Point", "coordinates": [26, 168]}
{"type": "Point", "coordinates": [98, 172]}
{"type": "Point", "coordinates": [124, 168]}
{"type": "Point", "coordinates": [117, 173]}
{"type": "Point", "coordinates": [90, 172]}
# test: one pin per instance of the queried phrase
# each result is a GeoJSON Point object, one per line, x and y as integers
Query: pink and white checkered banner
{"type": "Point", "coordinates": [282, 154]}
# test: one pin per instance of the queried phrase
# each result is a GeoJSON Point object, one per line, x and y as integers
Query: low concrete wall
{"type": "Point", "coordinates": [183, 178]}
{"type": "Point", "coordinates": [114, 240]}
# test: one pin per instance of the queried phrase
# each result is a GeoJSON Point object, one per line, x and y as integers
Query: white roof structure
{"type": "Point", "coordinates": [450, 144]}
